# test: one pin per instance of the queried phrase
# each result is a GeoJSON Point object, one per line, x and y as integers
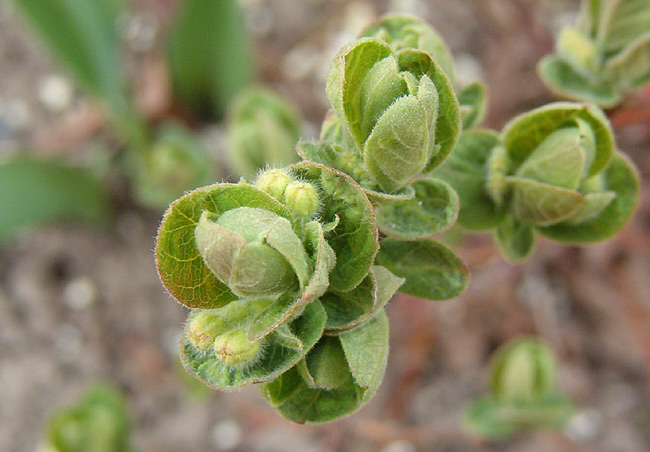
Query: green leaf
{"type": "Point", "coordinates": [465, 171]}
{"type": "Point", "coordinates": [523, 134]}
{"type": "Point", "coordinates": [292, 396]}
{"type": "Point", "coordinates": [326, 363]}
{"type": "Point", "coordinates": [81, 34]}
{"type": "Point", "coordinates": [398, 147]}
{"type": "Point", "coordinates": [294, 399]}
{"type": "Point", "coordinates": [432, 271]}
{"type": "Point", "coordinates": [473, 104]}
{"type": "Point", "coordinates": [210, 59]}
{"type": "Point", "coordinates": [263, 129]}
{"type": "Point", "coordinates": [631, 67]}
{"type": "Point", "coordinates": [346, 77]}
{"type": "Point", "coordinates": [622, 22]}
{"type": "Point", "coordinates": [286, 338]}
{"type": "Point", "coordinates": [561, 78]}
{"type": "Point", "coordinates": [176, 162]}
{"type": "Point", "coordinates": [37, 191]}
{"type": "Point", "coordinates": [515, 239]}
{"type": "Point", "coordinates": [180, 265]}
{"type": "Point", "coordinates": [275, 360]}
{"type": "Point", "coordinates": [448, 124]}
{"type": "Point", "coordinates": [542, 204]}
{"type": "Point", "coordinates": [366, 351]}
{"type": "Point", "coordinates": [434, 209]}
{"type": "Point", "coordinates": [354, 240]}
{"type": "Point", "coordinates": [620, 177]}
{"type": "Point", "coordinates": [402, 32]}
{"type": "Point", "coordinates": [346, 310]}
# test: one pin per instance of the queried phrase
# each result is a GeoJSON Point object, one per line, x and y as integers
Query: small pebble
{"type": "Point", "coordinates": [80, 293]}
{"type": "Point", "coordinates": [226, 435]}
{"type": "Point", "coordinates": [139, 30]}
{"type": "Point", "coordinates": [585, 426]}
{"type": "Point", "coordinates": [55, 92]}
{"type": "Point", "coordinates": [400, 445]}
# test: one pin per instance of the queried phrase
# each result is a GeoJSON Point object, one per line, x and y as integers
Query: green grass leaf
{"type": "Point", "coordinates": [37, 191]}
{"type": "Point", "coordinates": [210, 59]}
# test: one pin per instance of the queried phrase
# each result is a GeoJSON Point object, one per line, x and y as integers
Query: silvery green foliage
{"type": "Point", "coordinates": [605, 54]}
{"type": "Point", "coordinates": [100, 422]}
{"type": "Point", "coordinates": [553, 171]}
{"type": "Point", "coordinates": [523, 393]}
{"type": "Point", "coordinates": [263, 129]}
{"type": "Point", "coordinates": [281, 280]}
{"type": "Point", "coordinates": [404, 32]}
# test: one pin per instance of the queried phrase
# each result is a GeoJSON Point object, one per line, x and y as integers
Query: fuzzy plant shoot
{"type": "Point", "coordinates": [605, 54]}
{"type": "Point", "coordinates": [287, 274]}
{"type": "Point", "coordinates": [523, 393]}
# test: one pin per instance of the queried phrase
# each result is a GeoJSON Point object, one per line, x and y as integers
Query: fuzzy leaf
{"type": "Point", "coordinates": [620, 177]}
{"type": "Point", "coordinates": [180, 265]}
{"type": "Point", "coordinates": [432, 271]}
{"type": "Point", "coordinates": [622, 22]}
{"type": "Point", "coordinates": [433, 210]}
{"type": "Point", "coordinates": [473, 104]}
{"type": "Point", "coordinates": [542, 204]}
{"type": "Point", "coordinates": [564, 80]}
{"type": "Point", "coordinates": [275, 359]}
{"type": "Point", "coordinates": [515, 239]}
{"type": "Point", "coordinates": [286, 338]}
{"type": "Point", "coordinates": [523, 134]}
{"type": "Point", "coordinates": [366, 351]}
{"type": "Point", "coordinates": [326, 363]}
{"type": "Point", "coordinates": [346, 310]}
{"type": "Point", "coordinates": [354, 240]}
{"type": "Point", "coordinates": [448, 124]}
{"type": "Point", "coordinates": [631, 67]}
{"type": "Point", "coordinates": [398, 147]}
{"type": "Point", "coordinates": [465, 171]}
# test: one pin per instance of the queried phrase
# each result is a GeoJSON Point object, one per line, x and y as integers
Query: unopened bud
{"type": "Point", "coordinates": [234, 349]}
{"type": "Point", "coordinates": [301, 198]}
{"type": "Point", "coordinates": [274, 182]}
{"type": "Point", "coordinates": [202, 329]}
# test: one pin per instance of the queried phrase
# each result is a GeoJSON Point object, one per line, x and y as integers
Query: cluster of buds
{"type": "Point", "coordinates": [605, 54]}
{"type": "Point", "coordinates": [554, 170]}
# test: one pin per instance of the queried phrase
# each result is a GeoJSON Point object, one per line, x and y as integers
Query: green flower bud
{"type": "Point", "coordinates": [523, 372]}
{"type": "Point", "coordinates": [202, 329]}
{"type": "Point", "coordinates": [301, 198]}
{"type": "Point", "coordinates": [235, 350]}
{"type": "Point", "coordinates": [399, 108]}
{"type": "Point", "coordinates": [235, 248]}
{"type": "Point", "coordinates": [263, 129]}
{"type": "Point", "coordinates": [274, 182]}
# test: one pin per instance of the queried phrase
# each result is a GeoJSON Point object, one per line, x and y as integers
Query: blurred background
{"type": "Point", "coordinates": [80, 300]}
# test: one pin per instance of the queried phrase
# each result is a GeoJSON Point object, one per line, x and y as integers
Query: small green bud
{"type": "Point", "coordinates": [202, 329]}
{"type": "Point", "coordinates": [274, 182]}
{"type": "Point", "coordinates": [523, 372]}
{"type": "Point", "coordinates": [301, 198]}
{"type": "Point", "coordinates": [234, 349]}
{"type": "Point", "coordinates": [578, 48]}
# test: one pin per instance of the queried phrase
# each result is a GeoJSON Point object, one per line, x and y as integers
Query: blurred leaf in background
{"type": "Point", "coordinates": [36, 191]}
{"type": "Point", "coordinates": [264, 130]}
{"type": "Point", "coordinates": [209, 55]}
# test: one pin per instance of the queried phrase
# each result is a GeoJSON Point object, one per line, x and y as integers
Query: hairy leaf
{"type": "Point", "coordinates": [473, 104]}
{"type": "Point", "coordinates": [515, 239]}
{"type": "Point", "coordinates": [432, 271]}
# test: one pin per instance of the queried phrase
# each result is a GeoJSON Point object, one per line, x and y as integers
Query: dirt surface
{"type": "Point", "coordinates": [80, 305]}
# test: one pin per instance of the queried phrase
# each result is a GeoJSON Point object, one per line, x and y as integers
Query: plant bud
{"type": "Point", "coordinates": [274, 182]}
{"type": "Point", "coordinates": [523, 372]}
{"type": "Point", "coordinates": [235, 249]}
{"type": "Point", "coordinates": [234, 350]}
{"type": "Point", "coordinates": [202, 329]}
{"type": "Point", "coordinates": [301, 198]}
